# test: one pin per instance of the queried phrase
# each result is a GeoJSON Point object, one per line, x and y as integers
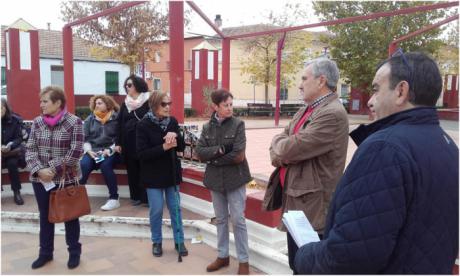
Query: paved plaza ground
{"type": "Point", "coordinates": [108, 255]}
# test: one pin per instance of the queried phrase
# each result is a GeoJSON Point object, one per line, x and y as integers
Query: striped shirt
{"type": "Point", "coordinates": [54, 147]}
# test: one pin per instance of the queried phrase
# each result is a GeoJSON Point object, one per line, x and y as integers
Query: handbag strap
{"type": "Point", "coordinates": [64, 171]}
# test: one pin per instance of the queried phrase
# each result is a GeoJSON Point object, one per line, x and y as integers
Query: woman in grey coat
{"type": "Point", "coordinates": [100, 129]}
{"type": "Point", "coordinates": [222, 146]}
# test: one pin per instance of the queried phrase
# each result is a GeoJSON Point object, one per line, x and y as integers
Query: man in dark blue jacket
{"type": "Point", "coordinates": [395, 210]}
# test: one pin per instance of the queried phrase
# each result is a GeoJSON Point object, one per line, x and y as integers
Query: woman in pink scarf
{"type": "Point", "coordinates": [55, 141]}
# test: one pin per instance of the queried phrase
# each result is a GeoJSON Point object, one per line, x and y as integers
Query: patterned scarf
{"type": "Point", "coordinates": [52, 121]}
{"type": "Point", "coordinates": [133, 104]}
{"type": "Point", "coordinates": [163, 123]}
{"type": "Point", "coordinates": [102, 117]}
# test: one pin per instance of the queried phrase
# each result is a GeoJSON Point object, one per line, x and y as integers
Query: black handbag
{"type": "Point", "coordinates": [274, 193]}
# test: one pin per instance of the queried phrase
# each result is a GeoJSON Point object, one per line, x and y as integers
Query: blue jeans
{"type": "Point", "coordinates": [88, 164]}
{"type": "Point", "coordinates": [155, 197]}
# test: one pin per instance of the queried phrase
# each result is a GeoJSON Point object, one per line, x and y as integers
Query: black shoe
{"type": "Point", "coordinates": [157, 251]}
{"type": "Point", "coordinates": [17, 198]}
{"type": "Point", "coordinates": [183, 251]}
{"type": "Point", "coordinates": [74, 261]}
{"type": "Point", "coordinates": [135, 202]}
{"type": "Point", "coordinates": [41, 261]}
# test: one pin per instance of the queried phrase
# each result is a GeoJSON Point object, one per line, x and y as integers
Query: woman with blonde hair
{"type": "Point", "coordinates": [101, 129]}
{"type": "Point", "coordinates": [55, 146]}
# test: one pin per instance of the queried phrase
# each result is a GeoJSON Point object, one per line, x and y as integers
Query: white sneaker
{"type": "Point", "coordinates": [110, 205]}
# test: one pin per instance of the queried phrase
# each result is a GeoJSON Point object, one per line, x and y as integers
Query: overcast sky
{"type": "Point", "coordinates": [233, 12]}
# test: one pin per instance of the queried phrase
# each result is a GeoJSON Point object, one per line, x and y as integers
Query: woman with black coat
{"type": "Point", "coordinates": [131, 112]}
{"type": "Point", "coordinates": [12, 148]}
{"type": "Point", "coordinates": [158, 140]}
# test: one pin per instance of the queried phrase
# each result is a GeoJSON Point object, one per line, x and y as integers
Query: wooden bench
{"type": "Point", "coordinates": [260, 109]}
{"type": "Point", "coordinates": [290, 109]}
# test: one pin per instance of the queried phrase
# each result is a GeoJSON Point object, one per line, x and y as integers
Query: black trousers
{"type": "Point", "coordinates": [12, 164]}
{"type": "Point", "coordinates": [292, 250]}
{"type": "Point", "coordinates": [72, 228]}
{"type": "Point", "coordinates": [136, 188]}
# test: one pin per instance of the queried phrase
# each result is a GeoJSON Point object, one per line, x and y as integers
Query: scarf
{"type": "Point", "coordinates": [52, 121]}
{"type": "Point", "coordinates": [102, 117]}
{"type": "Point", "coordinates": [133, 104]}
{"type": "Point", "coordinates": [162, 123]}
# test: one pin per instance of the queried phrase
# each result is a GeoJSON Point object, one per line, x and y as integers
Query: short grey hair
{"type": "Point", "coordinates": [326, 67]}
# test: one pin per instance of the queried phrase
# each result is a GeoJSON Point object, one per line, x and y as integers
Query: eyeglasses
{"type": "Point", "coordinates": [163, 104]}
{"type": "Point", "coordinates": [129, 85]}
{"type": "Point", "coordinates": [400, 53]}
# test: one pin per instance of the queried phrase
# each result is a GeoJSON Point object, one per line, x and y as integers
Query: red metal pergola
{"type": "Point", "coordinates": [227, 39]}
{"type": "Point", "coordinates": [176, 31]}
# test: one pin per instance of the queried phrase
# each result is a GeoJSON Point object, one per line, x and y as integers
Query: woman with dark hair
{"type": "Point", "coordinates": [222, 146]}
{"type": "Point", "coordinates": [158, 140]}
{"type": "Point", "coordinates": [131, 112]}
{"type": "Point", "coordinates": [100, 129]}
{"type": "Point", "coordinates": [55, 146]}
{"type": "Point", "coordinates": [12, 148]}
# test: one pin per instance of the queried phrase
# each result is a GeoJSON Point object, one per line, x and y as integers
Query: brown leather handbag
{"type": "Point", "coordinates": [274, 192]}
{"type": "Point", "coordinates": [68, 203]}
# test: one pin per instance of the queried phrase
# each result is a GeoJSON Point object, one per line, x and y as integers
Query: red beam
{"type": "Point", "coordinates": [226, 63]}
{"type": "Point", "coordinates": [279, 52]}
{"type": "Point", "coordinates": [67, 51]}
{"type": "Point", "coordinates": [176, 58]}
{"type": "Point", "coordinates": [394, 44]}
{"type": "Point", "coordinates": [352, 19]}
{"type": "Point", "coordinates": [105, 12]}
{"type": "Point", "coordinates": [201, 13]}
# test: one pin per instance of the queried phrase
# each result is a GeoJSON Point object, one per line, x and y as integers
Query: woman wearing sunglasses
{"type": "Point", "coordinates": [158, 140]}
{"type": "Point", "coordinates": [131, 112]}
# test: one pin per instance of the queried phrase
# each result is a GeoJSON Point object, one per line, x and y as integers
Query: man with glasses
{"type": "Point", "coordinates": [395, 210]}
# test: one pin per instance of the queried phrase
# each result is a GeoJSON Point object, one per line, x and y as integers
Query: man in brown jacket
{"type": "Point", "coordinates": [312, 149]}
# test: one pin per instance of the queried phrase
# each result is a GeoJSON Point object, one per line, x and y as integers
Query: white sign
{"type": "Point", "coordinates": [449, 82]}
{"type": "Point", "coordinates": [25, 57]}
{"type": "Point", "coordinates": [197, 65]}
{"type": "Point", "coordinates": [210, 65]}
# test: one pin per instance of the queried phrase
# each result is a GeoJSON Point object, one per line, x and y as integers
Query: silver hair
{"type": "Point", "coordinates": [326, 67]}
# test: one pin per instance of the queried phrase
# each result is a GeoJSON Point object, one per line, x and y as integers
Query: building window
{"type": "Point", "coordinates": [283, 93]}
{"type": "Point", "coordinates": [111, 82]}
{"type": "Point", "coordinates": [157, 57]}
{"type": "Point", "coordinates": [3, 80]}
{"type": "Point", "coordinates": [57, 75]}
{"type": "Point", "coordinates": [344, 91]}
{"type": "Point", "coordinates": [156, 84]}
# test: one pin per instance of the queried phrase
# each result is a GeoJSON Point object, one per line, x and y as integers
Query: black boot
{"type": "Point", "coordinates": [41, 261]}
{"type": "Point", "coordinates": [74, 261]}
{"type": "Point", "coordinates": [18, 198]}
{"type": "Point", "coordinates": [157, 251]}
{"type": "Point", "coordinates": [183, 251]}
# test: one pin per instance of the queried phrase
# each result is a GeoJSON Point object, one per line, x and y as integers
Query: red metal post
{"type": "Point", "coordinates": [279, 52]}
{"type": "Point", "coordinates": [176, 58]}
{"type": "Point", "coordinates": [393, 45]}
{"type": "Point", "coordinates": [68, 67]}
{"type": "Point", "coordinates": [392, 48]}
{"type": "Point", "coordinates": [226, 63]}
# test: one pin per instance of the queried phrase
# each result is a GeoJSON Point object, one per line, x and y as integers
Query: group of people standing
{"type": "Point", "coordinates": [393, 210]}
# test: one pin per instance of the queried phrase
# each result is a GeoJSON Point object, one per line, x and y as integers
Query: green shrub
{"type": "Point", "coordinates": [189, 112]}
{"type": "Point", "coordinates": [82, 112]}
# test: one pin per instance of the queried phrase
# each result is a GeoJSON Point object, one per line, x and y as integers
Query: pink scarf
{"type": "Point", "coordinates": [52, 121]}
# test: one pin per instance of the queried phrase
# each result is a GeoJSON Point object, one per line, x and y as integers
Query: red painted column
{"type": "Point", "coordinates": [226, 63]}
{"type": "Point", "coordinates": [67, 50]}
{"type": "Point", "coordinates": [23, 84]}
{"type": "Point", "coordinates": [176, 58]}
{"type": "Point", "coordinates": [279, 51]}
